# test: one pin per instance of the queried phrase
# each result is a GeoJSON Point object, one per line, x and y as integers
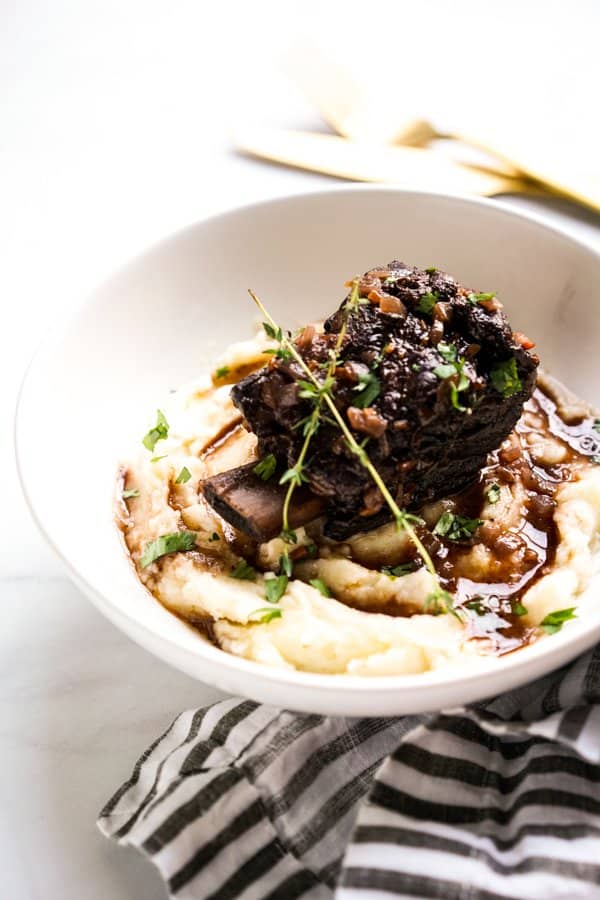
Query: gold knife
{"type": "Point", "coordinates": [416, 168]}
{"type": "Point", "coordinates": [551, 166]}
{"type": "Point", "coordinates": [356, 114]}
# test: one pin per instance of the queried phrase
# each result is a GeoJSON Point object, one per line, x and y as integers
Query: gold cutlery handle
{"type": "Point", "coordinates": [363, 161]}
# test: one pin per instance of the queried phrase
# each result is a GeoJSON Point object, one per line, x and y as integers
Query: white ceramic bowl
{"type": "Point", "coordinates": [96, 382]}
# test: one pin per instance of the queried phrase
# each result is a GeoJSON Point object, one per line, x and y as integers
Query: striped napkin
{"type": "Point", "coordinates": [500, 800]}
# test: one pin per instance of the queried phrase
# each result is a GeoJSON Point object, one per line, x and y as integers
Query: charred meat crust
{"type": "Point", "coordinates": [422, 444]}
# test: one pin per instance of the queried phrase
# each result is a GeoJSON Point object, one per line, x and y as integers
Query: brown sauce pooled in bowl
{"type": "Point", "coordinates": [540, 455]}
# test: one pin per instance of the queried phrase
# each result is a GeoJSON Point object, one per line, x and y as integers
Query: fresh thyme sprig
{"type": "Point", "coordinates": [439, 599]}
{"type": "Point", "coordinates": [310, 390]}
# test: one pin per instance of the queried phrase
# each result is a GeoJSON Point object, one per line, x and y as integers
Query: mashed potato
{"type": "Point", "coordinates": [309, 631]}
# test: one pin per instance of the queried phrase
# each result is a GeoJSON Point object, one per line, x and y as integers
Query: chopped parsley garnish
{"type": "Point", "coordinates": [493, 493]}
{"type": "Point", "coordinates": [452, 368]}
{"type": "Point", "coordinates": [518, 609]}
{"type": "Point", "coordinates": [596, 425]}
{"type": "Point", "coordinates": [397, 571]}
{"type": "Point", "coordinates": [158, 433]}
{"type": "Point", "coordinates": [183, 476]}
{"type": "Point", "coordinates": [267, 614]}
{"type": "Point", "coordinates": [320, 586]}
{"type": "Point", "coordinates": [265, 467]}
{"type": "Point", "coordinates": [554, 621]}
{"type": "Point", "coordinates": [505, 378]}
{"type": "Point", "coordinates": [427, 302]}
{"type": "Point", "coordinates": [431, 270]}
{"type": "Point", "coordinates": [455, 527]}
{"type": "Point", "coordinates": [448, 352]}
{"type": "Point", "coordinates": [214, 537]}
{"type": "Point", "coordinates": [275, 588]}
{"type": "Point", "coordinates": [481, 298]}
{"type": "Point", "coordinates": [244, 571]}
{"type": "Point", "coordinates": [131, 492]}
{"type": "Point", "coordinates": [158, 458]}
{"type": "Point", "coordinates": [369, 388]}
{"type": "Point", "coordinates": [179, 541]}
{"type": "Point", "coordinates": [222, 372]}
{"type": "Point", "coordinates": [476, 605]}
{"type": "Point", "coordinates": [415, 367]}
{"type": "Point", "coordinates": [446, 370]}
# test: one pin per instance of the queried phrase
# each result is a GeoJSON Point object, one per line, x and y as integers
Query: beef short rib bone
{"type": "Point", "coordinates": [255, 507]}
{"type": "Point", "coordinates": [430, 374]}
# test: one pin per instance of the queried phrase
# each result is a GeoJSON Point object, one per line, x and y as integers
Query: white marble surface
{"type": "Point", "coordinates": [114, 121]}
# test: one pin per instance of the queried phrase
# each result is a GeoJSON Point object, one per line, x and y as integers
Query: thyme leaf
{"type": "Point", "coordinates": [265, 467]}
{"type": "Point", "coordinates": [275, 588]}
{"type": "Point", "coordinates": [266, 614]}
{"type": "Point", "coordinates": [243, 571]}
{"type": "Point", "coordinates": [320, 586]}
{"type": "Point", "coordinates": [440, 601]}
{"type": "Point", "coordinates": [285, 564]}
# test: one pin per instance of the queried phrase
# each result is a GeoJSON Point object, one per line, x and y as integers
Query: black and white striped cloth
{"type": "Point", "coordinates": [501, 800]}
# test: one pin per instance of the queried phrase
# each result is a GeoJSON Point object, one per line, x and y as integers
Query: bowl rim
{"type": "Point", "coordinates": [562, 644]}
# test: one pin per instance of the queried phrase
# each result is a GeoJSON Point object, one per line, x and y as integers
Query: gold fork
{"type": "Point", "coordinates": [343, 105]}
{"type": "Point", "coordinates": [410, 167]}
{"type": "Point", "coordinates": [536, 166]}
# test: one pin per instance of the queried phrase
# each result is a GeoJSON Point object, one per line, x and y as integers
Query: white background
{"type": "Point", "coordinates": [115, 122]}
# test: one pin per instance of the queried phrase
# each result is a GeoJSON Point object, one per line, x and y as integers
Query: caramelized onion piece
{"type": "Point", "coordinates": [442, 311]}
{"type": "Point", "coordinates": [367, 284]}
{"type": "Point", "coordinates": [436, 332]}
{"type": "Point", "coordinates": [367, 421]}
{"type": "Point", "coordinates": [305, 337]}
{"type": "Point", "coordinates": [491, 305]}
{"type": "Point", "coordinates": [392, 305]}
{"type": "Point", "coordinates": [522, 339]}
